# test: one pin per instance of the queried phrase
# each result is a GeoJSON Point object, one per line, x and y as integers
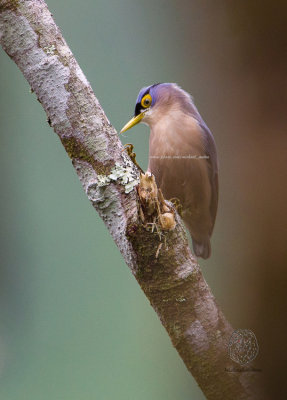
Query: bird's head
{"type": "Point", "coordinates": [156, 101]}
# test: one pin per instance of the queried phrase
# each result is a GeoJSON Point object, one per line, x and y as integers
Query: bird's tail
{"type": "Point", "coordinates": [202, 249]}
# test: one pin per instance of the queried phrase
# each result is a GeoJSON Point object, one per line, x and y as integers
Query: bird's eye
{"type": "Point", "coordinates": [146, 101]}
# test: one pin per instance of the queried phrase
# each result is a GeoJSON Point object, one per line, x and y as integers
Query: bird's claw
{"type": "Point", "coordinates": [177, 204]}
{"type": "Point", "coordinates": [129, 147]}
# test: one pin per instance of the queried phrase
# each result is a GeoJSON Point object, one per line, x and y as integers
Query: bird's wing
{"type": "Point", "coordinates": [210, 150]}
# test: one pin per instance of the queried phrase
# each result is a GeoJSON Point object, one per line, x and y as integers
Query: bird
{"type": "Point", "coordinates": [182, 157]}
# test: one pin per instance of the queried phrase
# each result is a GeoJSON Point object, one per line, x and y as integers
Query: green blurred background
{"type": "Point", "coordinates": [74, 324]}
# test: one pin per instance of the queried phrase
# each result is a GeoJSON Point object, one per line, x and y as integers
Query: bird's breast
{"type": "Point", "coordinates": [178, 135]}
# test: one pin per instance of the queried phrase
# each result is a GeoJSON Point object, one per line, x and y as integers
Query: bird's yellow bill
{"type": "Point", "coordinates": [132, 122]}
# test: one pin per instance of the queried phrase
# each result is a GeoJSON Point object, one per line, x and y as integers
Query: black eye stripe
{"type": "Point", "coordinates": [138, 109]}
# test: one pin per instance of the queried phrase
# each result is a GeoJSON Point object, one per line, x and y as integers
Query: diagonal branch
{"type": "Point", "coordinates": [162, 263]}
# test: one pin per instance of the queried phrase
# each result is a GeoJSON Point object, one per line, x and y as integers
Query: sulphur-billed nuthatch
{"type": "Point", "coordinates": [182, 157]}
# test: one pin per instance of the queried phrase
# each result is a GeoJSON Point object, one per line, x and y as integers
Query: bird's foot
{"type": "Point", "coordinates": [177, 205]}
{"type": "Point", "coordinates": [129, 147]}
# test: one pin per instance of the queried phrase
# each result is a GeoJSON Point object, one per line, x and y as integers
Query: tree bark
{"type": "Point", "coordinates": [161, 262]}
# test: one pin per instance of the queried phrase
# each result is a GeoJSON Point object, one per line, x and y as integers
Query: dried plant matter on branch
{"type": "Point", "coordinates": [162, 263]}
